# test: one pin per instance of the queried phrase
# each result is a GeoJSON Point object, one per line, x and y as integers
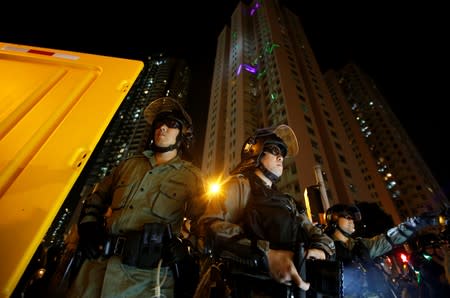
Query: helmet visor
{"type": "Point", "coordinates": [352, 212]}
{"type": "Point", "coordinates": [166, 105]}
{"type": "Point", "coordinates": [286, 133]}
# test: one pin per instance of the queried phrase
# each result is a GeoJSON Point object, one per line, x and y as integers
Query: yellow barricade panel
{"type": "Point", "coordinates": [54, 107]}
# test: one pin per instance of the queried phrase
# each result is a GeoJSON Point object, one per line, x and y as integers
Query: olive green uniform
{"type": "Point", "coordinates": [139, 192]}
{"type": "Point", "coordinates": [227, 218]}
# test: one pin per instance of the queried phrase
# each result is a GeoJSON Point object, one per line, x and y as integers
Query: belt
{"type": "Point", "coordinates": [142, 249]}
{"type": "Point", "coordinates": [114, 245]}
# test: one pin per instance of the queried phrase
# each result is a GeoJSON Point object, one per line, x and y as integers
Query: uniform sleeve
{"type": "Point", "coordinates": [197, 204]}
{"type": "Point", "coordinates": [383, 243]}
{"type": "Point", "coordinates": [223, 216]}
{"type": "Point", "coordinates": [315, 236]}
{"type": "Point", "coordinates": [223, 219]}
{"type": "Point", "coordinates": [96, 204]}
{"type": "Point", "coordinates": [377, 245]}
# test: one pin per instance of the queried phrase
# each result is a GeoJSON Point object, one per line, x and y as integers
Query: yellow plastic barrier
{"type": "Point", "coordinates": [54, 107]}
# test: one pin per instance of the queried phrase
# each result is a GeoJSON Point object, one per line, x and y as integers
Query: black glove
{"type": "Point", "coordinates": [175, 251]}
{"type": "Point", "coordinates": [92, 238]}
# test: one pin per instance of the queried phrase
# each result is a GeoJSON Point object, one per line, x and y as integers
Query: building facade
{"type": "Point", "coordinates": [375, 131]}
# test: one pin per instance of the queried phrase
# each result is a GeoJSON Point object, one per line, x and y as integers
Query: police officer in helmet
{"type": "Point", "coordinates": [168, 111]}
{"type": "Point", "coordinates": [361, 277]}
{"type": "Point", "coordinates": [130, 226]}
{"type": "Point", "coordinates": [252, 220]}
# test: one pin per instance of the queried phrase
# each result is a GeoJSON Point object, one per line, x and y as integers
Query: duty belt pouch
{"type": "Point", "coordinates": [144, 248]}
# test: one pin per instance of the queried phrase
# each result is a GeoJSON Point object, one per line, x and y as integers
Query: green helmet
{"type": "Point", "coordinates": [282, 136]}
{"type": "Point", "coordinates": [340, 210]}
{"type": "Point", "coordinates": [169, 108]}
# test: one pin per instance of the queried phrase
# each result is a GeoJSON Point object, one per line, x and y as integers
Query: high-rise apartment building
{"type": "Point", "coordinates": [375, 131]}
{"type": "Point", "coordinates": [266, 74]}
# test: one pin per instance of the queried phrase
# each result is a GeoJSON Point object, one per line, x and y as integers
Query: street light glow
{"type": "Point", "coordinates": [214, 188]}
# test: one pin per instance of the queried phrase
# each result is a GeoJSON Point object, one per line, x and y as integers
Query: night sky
{"type": "Point", "coordinates": [401, 47]}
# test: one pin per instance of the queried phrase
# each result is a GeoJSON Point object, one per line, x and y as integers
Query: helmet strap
{"type": "Point", "coordinates": [271, 176]}
{"type": "Point", "coordinates": [159, 149]}
{"type": "Point", "coordinates": [156, 148]}
{"type": "Point", "coordinates": [342, 231]}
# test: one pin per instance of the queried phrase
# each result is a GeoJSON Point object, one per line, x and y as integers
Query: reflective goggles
{"type": "Point", "coordinates": [170, 123]}
{"type": "Point", "coordinates": [274, 150]}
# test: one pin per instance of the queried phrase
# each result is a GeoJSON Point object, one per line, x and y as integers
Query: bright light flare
{"type": "Point", "coordinates": [215, 187]}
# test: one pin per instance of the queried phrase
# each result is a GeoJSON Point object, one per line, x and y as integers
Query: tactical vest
{"type": "Point", "coordinates": [271, 215]}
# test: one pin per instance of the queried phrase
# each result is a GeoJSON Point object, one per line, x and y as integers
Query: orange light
{"type": "Point", "coordinates": [215, 187]}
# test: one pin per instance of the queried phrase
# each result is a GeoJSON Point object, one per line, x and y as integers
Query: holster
{"type": "Point", "coordinates": [141, 249]}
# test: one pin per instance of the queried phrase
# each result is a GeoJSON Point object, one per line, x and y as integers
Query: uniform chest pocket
{"type": "Point", "coordinates": [169, 203]}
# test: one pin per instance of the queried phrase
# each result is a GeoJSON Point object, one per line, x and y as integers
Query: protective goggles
{"type": "Point", "coordinates": [352, 213]}
{"type": "Point", "coordinates": [348, 217]}
{"type": "Point", "coordinates": [170, 123]}
{"type": "Point", "coordinates": [274, 149]}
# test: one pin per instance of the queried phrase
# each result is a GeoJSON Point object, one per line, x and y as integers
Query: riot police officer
{"type": "Point", "coordinates": [362, 277]}
{"type": "Point", "coordinates": [252, 220]}
{"type": "Point", "coordinates": [125, 224]}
